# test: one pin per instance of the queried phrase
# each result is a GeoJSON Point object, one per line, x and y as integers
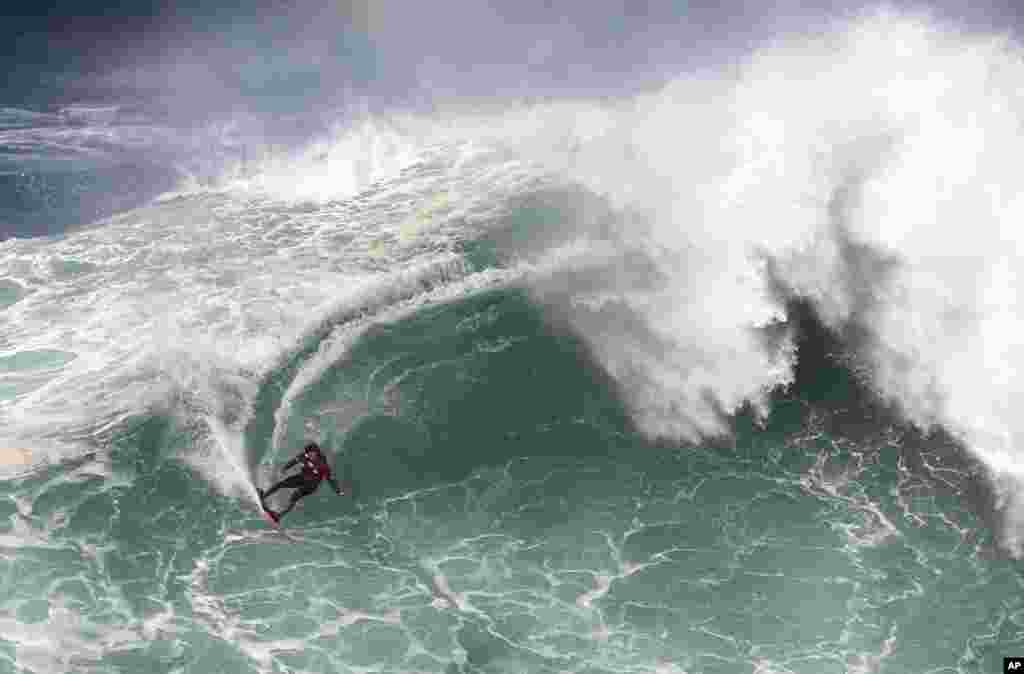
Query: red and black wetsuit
{"type": "Point", "coordinates": [315, 469]}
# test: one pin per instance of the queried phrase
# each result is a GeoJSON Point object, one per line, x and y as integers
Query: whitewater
{"type": "Point", "coordinates": [717, 378]}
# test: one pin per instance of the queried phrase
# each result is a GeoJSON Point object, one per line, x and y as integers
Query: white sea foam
{"type": "Point", "coordinates": [871, 170]}
{"type": "Point", "coordinates": [184, 305]}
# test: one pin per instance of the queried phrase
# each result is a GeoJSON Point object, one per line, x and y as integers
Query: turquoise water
{"type": "Point", "coordinates": [506, 517]}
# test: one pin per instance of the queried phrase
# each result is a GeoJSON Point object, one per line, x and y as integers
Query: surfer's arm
{"type": "Point", "coordinates": [293, 462]}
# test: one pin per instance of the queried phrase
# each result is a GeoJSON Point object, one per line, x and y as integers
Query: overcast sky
{"type": "Point", "coordinates": [286, 56]}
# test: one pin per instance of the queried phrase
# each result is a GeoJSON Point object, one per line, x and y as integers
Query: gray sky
{"type": "Point", "coordinates": [301, 55]}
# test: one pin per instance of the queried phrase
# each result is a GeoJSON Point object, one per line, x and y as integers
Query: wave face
{"type": "Point", "coordinates": [714, 379]}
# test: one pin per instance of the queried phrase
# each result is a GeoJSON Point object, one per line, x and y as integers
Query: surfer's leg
{"type": "Point", "coordinates": [291, 482]}
{"type": "Point", "coordinates": [305, 489]}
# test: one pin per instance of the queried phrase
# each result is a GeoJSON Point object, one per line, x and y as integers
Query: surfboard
{"type": "Point", "coordinates": [266, 515]}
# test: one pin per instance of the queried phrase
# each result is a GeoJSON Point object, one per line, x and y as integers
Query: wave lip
{"type": "Point", "coordinates": [858, 203]}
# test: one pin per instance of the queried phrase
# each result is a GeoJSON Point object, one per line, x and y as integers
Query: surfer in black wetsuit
{"type": "Point", "coordinates": [314, 471]}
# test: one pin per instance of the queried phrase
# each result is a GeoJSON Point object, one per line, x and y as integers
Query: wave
{"type": "Point", "coordinates": [589, 366]}
{"type": "Point", "coordinates": [689, 219]}
{"type": "Point", "coordinates": [817, 170]}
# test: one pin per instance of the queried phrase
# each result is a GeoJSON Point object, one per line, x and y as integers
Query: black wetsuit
{"type": "Point", "coordinates": [314, 471]}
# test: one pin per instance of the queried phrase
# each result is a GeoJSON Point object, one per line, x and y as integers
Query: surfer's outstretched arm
{"type": "Point", "coordinates": [334, 483]}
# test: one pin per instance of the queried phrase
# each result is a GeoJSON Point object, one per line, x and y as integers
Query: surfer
{"type": "Point", "coordinates": [314, 471]}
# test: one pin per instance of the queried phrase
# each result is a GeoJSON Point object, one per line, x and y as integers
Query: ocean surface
{"type": "Point", "coordinates": [714, 379]}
